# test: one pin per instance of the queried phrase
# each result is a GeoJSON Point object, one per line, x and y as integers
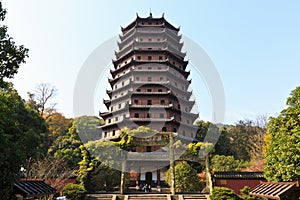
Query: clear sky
{"type": "Point", "coordinates": [254, 44]}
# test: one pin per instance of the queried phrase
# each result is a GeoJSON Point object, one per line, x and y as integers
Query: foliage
{"type": "Point", "coordinates": [104, 177]}
{"type": "Point", "coordinates": [74, 191]}
{"type": "Point", "coordinates": [222, 193]}
{"type": "Point", "coordinates": [226, 163]}
{"type": "Point", "coordinates": [186, 179]}
{"type": "Point", "coordinates": [67, 147]}
{"type": "Point", "coordinates": [11, 55]}
{"type": "Point", "coordinates": [88, 128]}
{"type": "Point", "coordinates": [22, 135]}
{"type": "Point", "coordinates": [283, 142]}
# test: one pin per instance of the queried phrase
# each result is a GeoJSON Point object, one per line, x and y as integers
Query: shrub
{"type": "Point", "coordinates": [74, 191]}
{"type": "Point", "coordinates": [222, 193]}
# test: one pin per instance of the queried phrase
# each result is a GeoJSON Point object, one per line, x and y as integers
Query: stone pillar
{"type": "Point", "coordinates": [158, 178]}
{"type": "Point", "coordinates": [172, 167]}
{"type": "Point", "coordinates": [122, 187]}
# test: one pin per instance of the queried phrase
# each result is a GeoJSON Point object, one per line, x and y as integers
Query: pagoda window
{"type": "Point", "coordinates": [138, 90]}
{"type": "Point", "coordinates": [125, 62]}
{"type": "Point", "coordinates": [116, 96]}
{"type": "Point", "coordinates": [149, 39]}
{"type": "Point", "coordinates": [161, 78]}
{"type": "Point", "coordinates": [158, 39]}
{"type": "Point", "coordinates": [112, 108]}
{"type": "Point", "coordinates": [160, 58]}
{"type": "Point", "coordinates": [119, 106]}
{"type": "Point", "coordinates": [109, 120]}
{"type": "Point", "coordinates": [122, 83]}
{"type": "Point", "coordinates": [159, 90]}
{"type": "Point", "coordinates": [174, 130]}
{"type": "Point", "coordinates": [176, 84]}
{"type": "Point", "coordinates": [149, 102]}
{"type": "Point", "coordinates": [139, 57]}
{"type": "Point", "coordinates": [149, 78]}
{"type": "Point", "coordinates": [159, 68]}
{"type": "Point", "coordinates": [164, 129]}
{"type": "Point", "coordinates": [141, 39]}
{"type": "Point", "coordinates": [116, 87]}
{"type": "Point", "coordinates": [161, 115]}
{"type": "Point", "coordinates": [137, 78]}
{"type": "Point", "coordinates": [116, 119]}
{"type": "Point", "coordinates": [143, 23]}
{"type": "Point", "coordinates": [105, 134]}
{"type": "Point", "coordinates": [149, 57]}
{"type": "Point", "coordinates": [114, 133]}
{"type": "Point", "coordinates": [170, 102]}
{"type": "Point", "coordinates": [122, 94]}
{"type": "Point", "coordinates": [149, 68]}
{"type": "Point", "coordinates": [136, 115]}
{"type": "Point", "coordinates": [178, 106]}
{"type": "Point", "coordinates": [149, 90]}
{"type": "Point", "coordinates": [139, 67]}
{"type": "Point", "coordinates": [162, 102]}
{"type": "Point", "coordinates": [149, 48]}
{"type": "Point", "coordinates": [136, 102]}
{"type": "Point", "coordinates": [148, 115]}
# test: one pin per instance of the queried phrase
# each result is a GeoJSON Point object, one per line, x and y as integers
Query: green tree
{"type": "Point", "coordinates": [283, 142]}
{"type": "Point", "coordinates": [221, 163]}
{"type": "Point", "coordinates": [11, 55]}
{"type": "Point", "coordinates": [67, 147]}
{"type": "Point", "coordinates": [222, 193]}
{"type": "Point", "coordinates": [186, 179]}
{"type": "Point", "coordinates": [22, 135]}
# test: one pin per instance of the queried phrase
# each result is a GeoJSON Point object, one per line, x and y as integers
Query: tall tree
{"type": "Point", "coordinates": [11, 55]}
{"type": "Point", "coordinates": [22, 135]}
{"type": "Point", "coordinates": [40, 100]}
{"type": "Point", "coordinates": [283, 142]}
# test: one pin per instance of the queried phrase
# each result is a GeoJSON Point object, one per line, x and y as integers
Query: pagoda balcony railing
{"type": "Point", "coordinates": [151, 106]}
{"type": "Point", "coordinates": [168, 92]}
{"type": "Point", "coordinates": [153, 119]}
{"type": "Point", "coordinates": [152, 156]}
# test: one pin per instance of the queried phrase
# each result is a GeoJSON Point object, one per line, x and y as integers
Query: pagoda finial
{"type": "Point", "coordinates": [150, 13]}
{"type": "Point", "coordinates": [137, 15]}
{"type": "Point", "coordinates": [163, 15]}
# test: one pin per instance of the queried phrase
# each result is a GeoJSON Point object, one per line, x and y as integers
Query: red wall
{"type": "Point", "coordinates": [237, 184]}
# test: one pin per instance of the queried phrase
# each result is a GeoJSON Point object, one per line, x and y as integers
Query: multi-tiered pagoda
{"type": "Point", "coordinates": [149, 82]}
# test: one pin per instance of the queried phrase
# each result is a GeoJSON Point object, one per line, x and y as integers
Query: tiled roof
{"type": "Point", "coordinates": [280, 190]}
{"type": "Point", "coordinates": [238, 175]}
{"type": "Point", "coordinates": [33, 188]}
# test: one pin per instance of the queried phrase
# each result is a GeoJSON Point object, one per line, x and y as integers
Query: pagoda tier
{"type": "Point", "coordinates": [128, 66]}
{"type": "Point", "coordinates": [149, 84]}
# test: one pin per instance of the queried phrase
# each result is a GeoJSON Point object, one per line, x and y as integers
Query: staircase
{"type": "Point", "coordinates": [193, 197]}
{"type": "Point", "coordinates": [101, 197]}
{"type": "Point", "coordinates": [148, 197]}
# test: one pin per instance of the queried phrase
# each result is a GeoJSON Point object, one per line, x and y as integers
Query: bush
{"type": "Point", "coordinates": [186, 179]}
{"type": "Point", "coordinates": [74, 191]}
{"type": "Point", "coordinates": [222, 193]}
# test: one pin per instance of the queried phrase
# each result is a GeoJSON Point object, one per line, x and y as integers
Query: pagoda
{"type": "Point", "coordinates": [149, 86]}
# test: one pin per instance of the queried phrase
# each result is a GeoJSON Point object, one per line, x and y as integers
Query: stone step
{"type": "Point", "coordinates": [99, 197]}
{"type": "Point", "coordinates": [147, 197]}
{"type": "Point", "coordinates": [194, 197]}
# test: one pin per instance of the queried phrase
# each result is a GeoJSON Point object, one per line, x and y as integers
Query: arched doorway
{"type": "Point", "coordinates": [149, 178]}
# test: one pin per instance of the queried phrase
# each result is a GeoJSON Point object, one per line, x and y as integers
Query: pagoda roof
{"type": "Point", "coordinates": [147, 19]}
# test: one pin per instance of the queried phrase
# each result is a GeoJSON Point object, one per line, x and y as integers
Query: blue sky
{"type": "Point", "coordinates": [255, 46]}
